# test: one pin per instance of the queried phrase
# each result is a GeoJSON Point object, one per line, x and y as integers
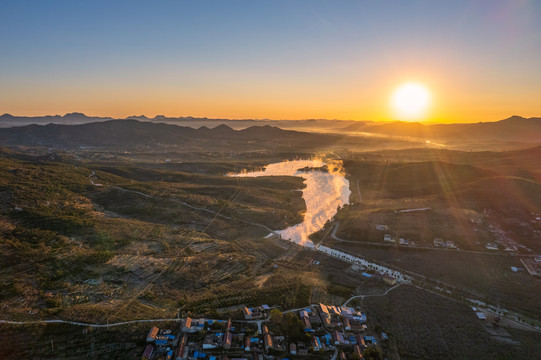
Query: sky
{"type": "Point", "coordinates": [280, 59]}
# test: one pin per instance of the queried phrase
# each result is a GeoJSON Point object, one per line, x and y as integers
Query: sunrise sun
{"type": "Point", "coordinates": [410, 102]}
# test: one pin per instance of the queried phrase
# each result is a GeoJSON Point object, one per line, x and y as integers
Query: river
{"type": "Point", "coordinates": [324, 193]}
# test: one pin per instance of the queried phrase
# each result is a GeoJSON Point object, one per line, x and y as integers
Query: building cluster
{"type": "Point", "coordinates": [440, 243]}
{"type": "Point", "coordinates": [327, 329]}
{"type": "Point", "coordinates": [255, 313]}
{"type": "Point", "coordinates": [382, 270]}
{"type": "Point", "coordinates": [532, 265]}
{"type": "Point", "coordinates": [334, 327]}
{"type": "Point", "coordinates": [401, 241]}
{"type": "Point", "coordinates": [163, 343]}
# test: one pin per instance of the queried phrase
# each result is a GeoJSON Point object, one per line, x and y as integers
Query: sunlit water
{"type": "Point", "coordinates": [324, 194]}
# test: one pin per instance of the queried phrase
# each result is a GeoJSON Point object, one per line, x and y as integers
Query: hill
{"type": "Point", "coordinates": [515, 128]}
{"type": "Point", "coordinates": [130, 133]}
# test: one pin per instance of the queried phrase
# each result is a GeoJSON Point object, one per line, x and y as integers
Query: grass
{"type": "Point", "coordinates": [422, 325]}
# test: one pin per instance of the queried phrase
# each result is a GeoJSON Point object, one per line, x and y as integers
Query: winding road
{"type": "Point", "coordinates": [370, 295]}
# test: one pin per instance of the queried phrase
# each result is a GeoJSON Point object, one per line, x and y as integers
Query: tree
{"type": "Point", "coordinates": [276, 317]}
{"type": "Point", "coordinates": [293, 327]}
{"type": "Point", "coordinates": [373, 353]}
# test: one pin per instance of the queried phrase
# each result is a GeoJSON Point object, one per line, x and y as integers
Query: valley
{"type": "Point", "coordinates": [102, 234]}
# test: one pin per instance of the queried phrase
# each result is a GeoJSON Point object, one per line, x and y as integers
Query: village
{"type": "Point", "coordinates": [317, 331]}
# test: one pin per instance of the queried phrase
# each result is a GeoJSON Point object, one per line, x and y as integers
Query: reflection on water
{"type": "Point", "coordinates": [324, 193]}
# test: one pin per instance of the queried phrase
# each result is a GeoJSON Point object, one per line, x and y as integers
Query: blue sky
{"type": "Point", "coordinates": [281, 59]}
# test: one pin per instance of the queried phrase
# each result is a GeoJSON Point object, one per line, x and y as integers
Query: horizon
{"type": "Point", "coordinates": [133, 117]}
{"type": "Point", "coordinates": [244, 60]}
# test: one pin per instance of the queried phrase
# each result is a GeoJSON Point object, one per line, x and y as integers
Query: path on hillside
{"type": "Point", "coordinates": [213, 212]}
{"type": "Point", "coordinates": [333, 236]}
{"type": "Point", "coordinates": [370, 295]}
{"type": "Point", "coordinates": [77, 323]}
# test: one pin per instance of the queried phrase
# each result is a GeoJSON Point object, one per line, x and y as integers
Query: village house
{"type": "Point", "coordinates": [152, 334]}
{"type": "Point", "coordinates": [149, 351]}
{"type": "Point", "coordinates": [358, 352]}
{"type": "Point", "coordinates": [293, 349]}
{"type": "Point", "coordinates": [259, 312]}
{"type": "Point", "coordinates": [316, 343]}
{"type": "Point", "coordinates": [267, 339]}
{"type": "Point", "coordinates": [389, 280]}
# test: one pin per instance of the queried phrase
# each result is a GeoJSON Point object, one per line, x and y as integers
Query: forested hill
{"type": "Point", "coordinates": [126, 133]}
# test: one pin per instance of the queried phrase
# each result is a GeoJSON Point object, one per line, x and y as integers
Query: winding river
{"type": "Point", "coordinates": [324, 193]}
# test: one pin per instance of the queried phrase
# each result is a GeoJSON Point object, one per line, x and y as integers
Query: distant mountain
{"type": "Point", "coordinates": [8, 120]}
{"type": "Point", "coordinates": [357, 126]}
{"type": "Point", "coordinates": [130, 133]}
{"type": "Point", "coordinates": [515, 128]}
{"type": "Point", "coordinates": [138, 117]}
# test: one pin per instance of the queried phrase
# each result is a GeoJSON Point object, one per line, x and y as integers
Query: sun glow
{"type": "Point", "coordinates": [410, 102]}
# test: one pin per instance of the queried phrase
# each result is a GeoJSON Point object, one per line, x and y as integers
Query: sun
{"type": "Point", "coordinates": [410, 102]}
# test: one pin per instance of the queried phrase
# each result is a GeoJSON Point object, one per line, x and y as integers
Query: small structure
{"type": "Point", "coordinates": [360, 341]}
{"type": "Point", "coordinates": [187, 325]}
{"type": "Point", "coordinates": [227, 340]}
{"type": "Point", "coordinates": [450, 244]}
{"type": "Point", "coordinates": [307, 325]}
{"type": "Point", "coordinates": [324, 310]}
{"type": "Point", "coordinates": [403, 241]}
{"type": "Point", "coordinates": [347, 324]}
{"type": "Point", "coordinates": [389, 280]}
{"type": "Point", "coordinates": [293, 349]}
{"type": "Point", "coordinates": [316, 343]}
{"type": "Point", "coordinates": [267, 339]}
{"type": "Point", "coordinates": [181, 353]}
{"type": "Point", "coordinates": [152, 334]}
{"type": "Point", "coordinates": [388, 238]}
{"type": "Point", "coordinates": [147, 354]}
{"type": "Point", "coordinates": [338, 338]}
{"type": "Point", "coordinates": [532, 265]}
{"type": "Point", "coordinates": [480, 315]}
{"type": "Point", "coordinates": [210, 342]}
{"type": "Point", "coordinates": [259, 312]}
{"type": "Point", "coordinates": [247, 313]}
{"type": "Point", "coordinates": [358, 352]}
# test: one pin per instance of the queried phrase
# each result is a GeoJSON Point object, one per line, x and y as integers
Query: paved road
{"type": "Point", "coordinates": [84, 324]}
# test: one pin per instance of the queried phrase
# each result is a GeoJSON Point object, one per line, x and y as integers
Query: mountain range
{"type": "Point", "coordinates": [135, 133]}
{"type": "Point", "coordinates": [516, 129]}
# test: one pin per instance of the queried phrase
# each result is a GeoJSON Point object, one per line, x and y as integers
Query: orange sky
{"type": "Point", "coordinates": [307, 59]}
